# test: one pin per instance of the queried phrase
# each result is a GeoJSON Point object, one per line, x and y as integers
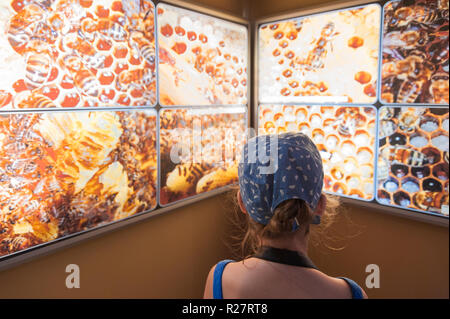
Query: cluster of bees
{"type": "Point", "coordinates": [199, 152]}
{"type": "Point", "coordinates": [415, 52]}
{"type": "Point", "coordinates": [80, 53]}
{"type": "Point", "coordinates": [65, 172]}
{"type": "Point", "coordinates": [414, 158]}
{"type": "Point", "coordinates": [305, 57]}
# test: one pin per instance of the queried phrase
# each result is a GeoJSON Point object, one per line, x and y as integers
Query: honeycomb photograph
{"type": "Point", "coordinates": [413, 158]}
{"type": "Point", "coordinates": [345, 137]}
{"type": "Point", "coordinates": [76, 53]}
{"type": "Point", "coordinates": [65, 172]}
{"type": "Point", "coordinates": [415, 52]}
{"type": "Point", "coordinates": [199, 150]}
{"type": "Point", "coordinates": [202, 59]}
{"type": "Point", "coordinates": [325, 58]}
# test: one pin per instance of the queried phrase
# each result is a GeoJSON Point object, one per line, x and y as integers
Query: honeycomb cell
{"type": "Point", "coordinates": [445, 124]}
{"type": "Point", "coordinates": [337, 173]}
{"type": "Point", "coordinates": [353, 181]}
{"type": "Point", "coordinates": [418, 140]}
{"type": "Point", "coordinates": [420, 172]}
{"type": "Point", "coordinates": [348, 148]}
{"type": "Point", "coordinates": [315, 120]}
{"type": "Point", "coordinates": [350, 165]}
{"type": "Point", "coordinates": [368, 188]}
{"type": "Point", "coordinates": [431, 185]}
{"type": "Point", "coordinates": [438, 111]}
{"type": "Point", "coordinates": [399, 170]}
{"type": "Point", "coordinates": [304, 128]}
{"type": "Point", "coordinates": [366, 171]}
{"type": "Point", "coordinates": [356, 193]}
{"type": "Point", "coordinates": [440, 140]}
{"type": "Point", "coordinates": [429, 124]}
{"type": "Point", "coordinates": [391, 185]}
{"type": "Point", "coordinates": [301, 114]}
{"type": "Point", "coordinates": [441, 171]}
{"type": "Point", "coordinates": [361, 138]}
{"type": "Point", "coordinates": [340, 188]}
{"type": "Point", "coordinates": [402, 199]}
{"type": "Point", "coordinates": [364, 155]}
{"type": "Point", "coordinates": [410, 185]}
{"type": "Point", "coordinates": [384, 197]}
{"type": "Point", "coordinates": [331, 141]}
{"type": "Point", "coordinates": [398, 139]}
{"type": "Point", "coordinates": [318, 135]}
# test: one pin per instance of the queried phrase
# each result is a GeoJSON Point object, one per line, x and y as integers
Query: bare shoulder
{"type": "Point", "coordinates": [344, 287]}
{"type": "Point", "coordinates": [208, 293]}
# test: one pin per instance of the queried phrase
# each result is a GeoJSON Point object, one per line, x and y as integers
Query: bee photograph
{"type": "Point", "coordinates": [415, 52]}
{"type": "Point", "coordinates": [73, 53]}
{"type": "Point", "coordinates": [413, 158]}
{"type": "Point", "coordinates": [202, 59]}
{"type": "Point", "coordinates": [345, 138]}
{"type": "Point", "coordinates": [199, 150]}
{"type": "Point", "coordinates": [65, 172]}
{"type": "Point", "coordinates": [325, 58]}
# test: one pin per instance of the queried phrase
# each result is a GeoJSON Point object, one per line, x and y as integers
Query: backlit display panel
{"type": "Point", "coordinates": [202, 59]}
{"type": "Point", "coordinates": [330, 57]}
{"type": "Point", "coordinates": [199, 150]}
{"type": "Point", "coordinates": [65, 172]}
{"type": "Point", "coordinates": [77, 53]}
{"type": "Point", "coordinates": [413, 158]}
{"type": "Point", "coordinates": [345, 137]}
{"type": "Point", "coordinates": [415, 52]}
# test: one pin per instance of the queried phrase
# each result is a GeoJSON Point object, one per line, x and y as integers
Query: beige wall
{"type": "Point", "coordinates": [168, 256]}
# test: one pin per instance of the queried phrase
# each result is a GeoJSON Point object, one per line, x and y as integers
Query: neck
{"type": "Point", "coordinates": [295, 242]}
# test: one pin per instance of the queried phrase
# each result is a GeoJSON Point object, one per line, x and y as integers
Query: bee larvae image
{"type": "Point", "coordinates": [412, 169]}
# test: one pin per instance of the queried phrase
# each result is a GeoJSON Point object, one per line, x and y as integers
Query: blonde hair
{"type": "Point", "coordinates": [249, 233]}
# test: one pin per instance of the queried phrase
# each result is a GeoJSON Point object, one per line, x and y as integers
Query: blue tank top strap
{"type": "Point", "coordinates": [217, 279]}
{"type": "Point", "coordinates": [356, 289]}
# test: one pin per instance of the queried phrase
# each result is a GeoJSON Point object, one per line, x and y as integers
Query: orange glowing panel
{"type": "Point", "coordinates": [325, 58]}
{"type": "Point", "coordinates": [202, 59]}
{"type": "Point", "coordinates": [415, 52]}
{"type": "Point", "coordinates": [77, 50]}
{"type": "Point", "coordinates": [199, 150]}
{"type": "Point", "coordinates": [62, 173]}
{"type": "Point", "coordinates": [344, 135]}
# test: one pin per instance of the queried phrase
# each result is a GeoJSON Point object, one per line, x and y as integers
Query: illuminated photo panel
{"type": "Point", "coordinates": [65, 172]}
{"type": "Point", "coordinates": [76, 53]}
{"type": "Point", "coordinates": [345, 137]}
{"type": "Point", "coordinates": [199, 150]}
{"type": "Point", "coordinates": [202, 59]}
{"type": "Point", "coordinates": [415, 52]}
{"type": "Point", "coordinates": [413, 158]}
{"type": "Point", "coordinates": [325, 58]}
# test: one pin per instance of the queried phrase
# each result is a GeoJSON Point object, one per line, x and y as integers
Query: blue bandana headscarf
{"type": "Point", "coordinates": [275, 168]}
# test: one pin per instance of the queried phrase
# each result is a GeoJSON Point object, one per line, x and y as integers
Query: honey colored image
{"type": "Point", "coordinates": [199, 150]}
{"type": "Point", "coordinates": [66, 172]}
{"type": "Point", "coordinates": [77, 53]}
{"type": "Point", "coordinates": [415, 52]}
{"type": "Point", "coordinates": [413, 158]}
{"type": "Point", "coordinates": [345, 137]}
{"type": "Point", "coordinates": [330, 57]}
{"type": "Point", "coordinates": [202, 59]}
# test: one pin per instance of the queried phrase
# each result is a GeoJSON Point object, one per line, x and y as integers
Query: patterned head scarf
{"type": "Point", "coordinates": [275, 168]}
